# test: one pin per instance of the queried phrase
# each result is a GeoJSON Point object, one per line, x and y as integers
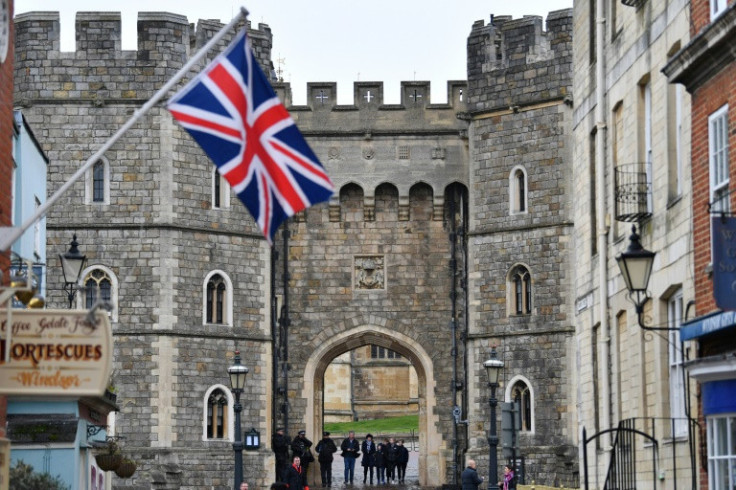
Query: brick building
{"type": "Point", "coordinates": [706, 67]}
{"type": "Point", "coordinates": [7, 165]}
{"type": "Point", "coordinates": [450, 232]}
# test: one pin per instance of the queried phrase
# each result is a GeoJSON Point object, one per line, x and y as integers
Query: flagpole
{"type": "Point", "coordinates": [8, 235]}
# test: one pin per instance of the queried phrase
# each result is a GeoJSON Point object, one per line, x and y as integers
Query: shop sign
{"type": "Point", "coordinates": [54, 352]}
{"type": "Point", "coordinates": [724, 262]}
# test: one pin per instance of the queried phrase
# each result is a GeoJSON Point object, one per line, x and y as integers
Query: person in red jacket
{"type": "Point", "coordinates": [296, 476]}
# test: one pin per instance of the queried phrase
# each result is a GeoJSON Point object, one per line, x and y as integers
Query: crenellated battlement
{"type": "Point", "coordinates": [514, 61]}
{"type": "Point", "coordinates": [370, 114]}
{"type": "Point", "coordinates": [368, 98]}
{"type": "Point", "coordinates": [99, 70]}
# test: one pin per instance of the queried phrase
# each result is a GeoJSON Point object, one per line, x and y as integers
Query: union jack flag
{"type": "Point", "coordinates": [231, 110]}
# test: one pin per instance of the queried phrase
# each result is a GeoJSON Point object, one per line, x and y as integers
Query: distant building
{"type": "Point", "coordinates": [369, 383]}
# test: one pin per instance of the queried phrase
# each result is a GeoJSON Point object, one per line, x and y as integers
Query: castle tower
{"type": "Point", "coordinates": [156, 242]}
{"type": "Point", "coordinates": [519, 105]}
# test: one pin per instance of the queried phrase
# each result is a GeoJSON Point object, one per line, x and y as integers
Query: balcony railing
{"type": "Point", "coordinates": [633, 192]}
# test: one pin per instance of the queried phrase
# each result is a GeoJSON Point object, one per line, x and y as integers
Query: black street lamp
{"type": "Point", "coordinates": [636, 268]}
{"type": "Point", "coordinates": [493, 368]}
{"type": "Point", "coordinates": [237, 373]}
{"type": "Point", "coordinates": [72, 264]}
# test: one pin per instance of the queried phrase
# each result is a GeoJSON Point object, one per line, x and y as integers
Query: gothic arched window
{"type": "Point", "coordinates": [522, 397]}
{"type": "Point", "coordinates": [517, 191]}
{"type": "Point", "coordinates": [100, 284]}
{"type": "Point", "coordinates": [97, 183]}
{"type": "Point", "coordinates": [218, 296]}
{"type": "Point", "coordinates": [97, 284]}
{"type": "Point", "coordinates": [220, 191]}
{"type": "Point", "coordinates": [520, 285]}
{"type": "Point", "coordinates": [217, 415]}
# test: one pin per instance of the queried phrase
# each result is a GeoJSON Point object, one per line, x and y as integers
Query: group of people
{"type": "Point", "coordinates": [389, 458]}
{"type": "Point", "coordinates": [470, 479]}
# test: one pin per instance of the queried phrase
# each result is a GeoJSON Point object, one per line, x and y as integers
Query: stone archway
{"type": "Point", "coordinates": [431, 469]}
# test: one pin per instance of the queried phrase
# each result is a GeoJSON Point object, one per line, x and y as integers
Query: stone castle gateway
{"type": "Point", "coordinates": [449, 233]}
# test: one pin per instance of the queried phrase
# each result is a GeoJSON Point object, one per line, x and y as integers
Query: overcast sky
{"type": "Point", "coordinates": [335, 40]}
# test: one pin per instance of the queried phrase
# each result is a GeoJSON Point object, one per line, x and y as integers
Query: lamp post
{"type": "Point", "coordinates": [237, 373]}
{"type": "Point", "coordinates": [636, 268]}
{"type": "Point", "coordinates": [493, 368]}
{"type": "Point", "coordinates": [72, 263]}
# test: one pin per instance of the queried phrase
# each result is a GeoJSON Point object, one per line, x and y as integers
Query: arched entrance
{"type": "Point", "coordinates": [431, 469]}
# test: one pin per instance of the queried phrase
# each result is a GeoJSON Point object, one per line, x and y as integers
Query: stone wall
{"type": "Point", "coordinates": [519, 103]}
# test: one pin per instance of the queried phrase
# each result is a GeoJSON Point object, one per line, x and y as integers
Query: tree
{"type": "Point", "coordinates": [22, 477]}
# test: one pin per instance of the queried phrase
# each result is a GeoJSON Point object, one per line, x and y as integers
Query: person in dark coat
{"type": "Point", "coordinates": [296, 476]}
{"type": "Point", "coordinates": [380, 463]}
{"type": "Point", "coordinates": [280, 446]}
{"type": "Point", "coordinates": [368, 448]}
{"type": "Point", "coordinates": [470, 478]}
{"type": "Point", "coordinates": [391, 456]}
{"type": "Point", "coordinates": [402, 461]}
{"type": "Point", "coordinates": [300, 447]}
{"type": "Point", "coordinates": [325, 449]}
{"type": "Point", "coordinates": [350, 450]}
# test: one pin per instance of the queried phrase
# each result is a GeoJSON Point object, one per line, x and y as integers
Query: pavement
{"type": "Point", "coordinates": [338, 475]}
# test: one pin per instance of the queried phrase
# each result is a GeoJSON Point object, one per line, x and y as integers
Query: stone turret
{"type": "Point", "coordinates": [512, 62]}
{"type": "Point", "coordinates": [99, 70]}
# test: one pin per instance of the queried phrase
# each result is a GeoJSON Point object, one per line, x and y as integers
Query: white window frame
{"type": "Point", "coordinates": [723, 425]}
{"type": "Point", "coordinates": [509, 390]}
{"type": "Point", "coordinates": [224, 190]}
{"type": "Point", "coordinates": [717, 7]}
{"type": "Point", "coordinates": [230, 413]}
{"type": "Point", "coordinates": [228, 310]}
{"type": "Point", "coordinates": [89, 183]}
{"type": "Point", "coordinates": [37, 231]}
{"type": "Point", "coordinates": [718, 167]}
{"type": "Point", "coordinates": [516, 196]}
{"type": "Point", "coordinates": [79, 299]}
{"type": "Point", "coordinates": [676, 369]}
{"type": "Point", "coordinates": [679, 94]}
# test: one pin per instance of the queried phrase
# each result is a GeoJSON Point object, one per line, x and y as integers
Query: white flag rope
{"type": "Point", "coordinates": [8, 235]}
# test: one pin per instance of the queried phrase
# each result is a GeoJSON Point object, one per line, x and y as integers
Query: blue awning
{"type": "Point", "coordinates": [707, 324]}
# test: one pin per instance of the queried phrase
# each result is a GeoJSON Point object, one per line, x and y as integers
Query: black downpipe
{"type": "Point", "coordinates": [453, 326]}
{"type": "Point", "coordinates": [285, 323]}
{"type": "Point", "coordinates": [688, 409]}
{"type": "Point", "coordinates": [464, 285]}
{"type": "Point", "coordinates": [275, 347]}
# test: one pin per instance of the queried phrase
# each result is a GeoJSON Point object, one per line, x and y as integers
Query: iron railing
{"type": "Point", "coordinates": [670, 461]}
{"type": "Point", "coordinates": [633, 192]}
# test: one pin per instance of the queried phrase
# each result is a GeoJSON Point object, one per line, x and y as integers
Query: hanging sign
{"type": "Point", "coordinates": [55, 352]}
{"type": "Point", "coordinates": [724, 261]}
